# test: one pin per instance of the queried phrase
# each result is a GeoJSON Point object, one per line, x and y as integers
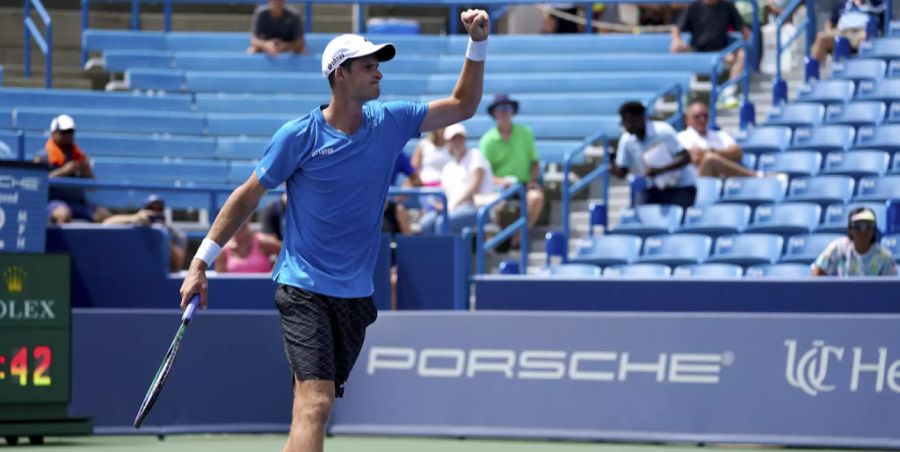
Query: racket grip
{"type": "Point", "coordinates": [192, 306]}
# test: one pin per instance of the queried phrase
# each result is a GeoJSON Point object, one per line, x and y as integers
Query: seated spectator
{"type": "Point", "coordinates": [713, 152]}
{"type": "Point", "coordinates": [651, 149]}
{"type": "Point", "coordinates": [510, 148]}
{"type": "Point", "coordinates": [848, 19]}
{"type": "Point", "coordinates": [553, 24]}
{"type": "Point", "coordinates": [271, 232]}
{"type": "Point", "coordinates": [66, 159]}
{"type": "Point", "coordinates": [429, 158]}
{"type": "Point", "coordinates": [276, 28]}
{"type": "Point", "coordinates": [243, 254]}
{"type": "Point", "coordinates": [709, 22]}
{"type": "Point", "coordinates": [858, 254]}
{"type": "Point", "coordinates": [466, 180]}
{"type": "Point", "coordinates": [153, 214]}
{"type": "Point", "coordinates": [396, 217]}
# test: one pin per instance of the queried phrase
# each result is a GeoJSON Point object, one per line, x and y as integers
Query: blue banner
{"type": "Point", "coordinates": [762, 378]}
{"type": "Point", "coordinates": [23, 207]}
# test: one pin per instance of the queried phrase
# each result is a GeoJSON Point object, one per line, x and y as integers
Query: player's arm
{"type": "Point", "coordinates": [240, 204]}
{"type": "Point", "coordinates": [466, 96]}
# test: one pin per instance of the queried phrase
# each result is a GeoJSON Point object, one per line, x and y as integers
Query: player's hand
{"type": "Point", "coordinates": [477, 23]}
{"type": "Point", "coordinates": [194, 282]}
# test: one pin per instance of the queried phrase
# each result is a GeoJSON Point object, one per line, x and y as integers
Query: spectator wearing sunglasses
{"type": "Point", "coordinates": [714, 153]}
{"type": "Point", "coordinates": [858, 254]}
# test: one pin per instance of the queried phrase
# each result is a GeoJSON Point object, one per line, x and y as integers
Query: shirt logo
{"type": "Point", "coordinates": [322, 152]}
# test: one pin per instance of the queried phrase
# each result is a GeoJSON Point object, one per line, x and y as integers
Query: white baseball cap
{"type": "Point", "coordinates": [345, 47]}
{"type": "Point", "coordinates": [454, 130]}
{"type": "Point", "coordinates": [62, 122]}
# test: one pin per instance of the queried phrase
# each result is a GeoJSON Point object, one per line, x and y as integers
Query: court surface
{"type": "Point", "coordinates": [229, 443]}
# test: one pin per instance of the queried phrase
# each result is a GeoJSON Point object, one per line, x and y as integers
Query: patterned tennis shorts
{"type": "Point", "coordinates": [323, 335]}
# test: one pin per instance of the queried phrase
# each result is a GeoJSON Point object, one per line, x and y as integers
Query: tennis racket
{"type": "Point", "coordinates": [160, 379]}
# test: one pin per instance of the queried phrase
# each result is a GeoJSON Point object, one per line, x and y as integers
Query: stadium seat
{"type": "Point", "coordinates": [892, 243]}
{"type": "Point", "coordinates": [883, 138]}
{"type": "Point", "coordinates": [895, 165]}
{"type": "Point", "coordinates": [9, 144]}
{"type": "Point", "coordinates": [857, 164]}
{"type": "Point", "coordinates": [786, 219]}
{"type": "Point", "coordinates": [887, 90]}
{"type": "Point", "coordinates": [859, 70]}
{"type": "Point", "coordinates": [884, 49]}
{"type": "Point", "coordinates": [779, 271]}
{"type": "Point", "coordinates": [857, 114]}
{"type": "Point", "coordinates": [747, 249]}
{"type": "Point", "coordinates": [836, 216]}
{"type": "Point", "coordinates": [827, 92]}
{"type": "Point", "coordinates": [647, 220]}
{"type": "Point", "coordinates": [708, 271]}
{"type": "Point", "coordinates": [574, 270]}
{"type": "Point", "coordinates": [753, 191]}
{"type": "Point", "coordinates": [708, 190]}
{"type": "Point", "coordinates": [765, 139]}
{"type": "Point", "coordinates": [119, 121]}
{"type": "Point", "coordinates": [822, 190]}
{"type": "Point", "coordinates": [832, 138]}
{"type": "Point", "coordinates": [605, 250]}
{"type": "Point", "coordinates": [113, 144]}
{"type": "Point", "coordinates": [639, 271]}
{"type": "Point", "coordinates": [240, 148]}
{"type": "Point", "coordinates": [74, 99]}
{"type": "Point", "coordinates": [675, 249]}
{"type": "Point", "coordinates": [716, 220]}
{"type": "Point", "coordinates": [147, 170]}
{"type": "Point", "coordinates": [796, 115]}
{"type": "Point", "coordinates": [878, 189]}
{"type": "Point", "coordinates": [793, 163]}
{"type": "Point", "coordinates": [805, 248]}
{"type": "Point", "coordinates": [748, 160]}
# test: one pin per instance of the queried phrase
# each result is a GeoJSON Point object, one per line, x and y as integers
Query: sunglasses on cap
{"type": "Point", "coordinates": [862, 225]}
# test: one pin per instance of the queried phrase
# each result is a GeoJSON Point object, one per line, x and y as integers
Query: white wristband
{"type": "Point", "coordinates": [477, 51]}
{"type": "Point", "coordinates": [208, 252]}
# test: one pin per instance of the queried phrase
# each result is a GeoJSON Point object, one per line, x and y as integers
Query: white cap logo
{"type": "Point", "coordinates": [347, 46]}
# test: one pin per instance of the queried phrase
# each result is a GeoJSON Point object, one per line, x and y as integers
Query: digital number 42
{"type": "Point", "coordinates": [42, 359]}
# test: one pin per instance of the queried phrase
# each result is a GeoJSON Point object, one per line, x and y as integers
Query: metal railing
{"type": "Point", "coordinates": [748, 111]}
{"type": "Point", "coordinates": [807, 26]}
{"type": "Point", "coordinates": [569, 189]}
{"type": "Point", "coordinates": [520, 224]}
{"type": "Point", "coordinates": [44, 40]}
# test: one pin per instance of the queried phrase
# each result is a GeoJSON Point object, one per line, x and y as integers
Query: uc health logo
{"type": "Point", "coordinates": [809, 371]}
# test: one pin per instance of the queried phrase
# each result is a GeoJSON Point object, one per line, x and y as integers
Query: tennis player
{"type": "Point", "coordinates": [337, 162]}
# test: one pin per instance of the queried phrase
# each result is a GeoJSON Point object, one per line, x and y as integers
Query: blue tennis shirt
{"type": "Point", "coordinates": [336, 189]}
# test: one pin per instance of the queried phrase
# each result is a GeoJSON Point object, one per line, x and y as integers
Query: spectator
{"type": "Point", "coordinates": [271, 232]}
{"type": "Point", "coordinates": [466, 180]}
{"type": "Point", "coordinates": [429, 158]}
{"type": "Point", "coordinates": [66, 159]}
{"type": "Point", "coordinates": [848, 19]}
{"type": "Point", "coordinates": [396, 217]}
{"type": "Point", "coordinates": [512, 153]}
{"type": "Point", "coordinates": [709, 22]}
{"type": "Point", "coordinates": [243, 254]}
{"type": "Point", "coordinates": [153, 214]}
{"type": "Point", "coordinates": [651, 149]}
{"type": "Point", "coordinates": [276, 28]}
{"type": "Point", "coordinates": [857, 254]}
{"type": "Point", "coordinates": [553, 24]}
{"type": "Point", "coordinates": [713, 152]}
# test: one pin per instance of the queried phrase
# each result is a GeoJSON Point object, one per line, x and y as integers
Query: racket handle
{"type": "Point", "coordinates": [192, 306]}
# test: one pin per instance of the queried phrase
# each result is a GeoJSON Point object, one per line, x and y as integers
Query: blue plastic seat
{"type": "Point", "coordinates": [574, 270]}
{"type": "Point", "coordinates": [895, 165]}
{"type": "Point", "coordinates": [831, 138]}
{"type": "Point", "coordinates": [147, 170]}
{"type": "Point", "coordinates": [753, 191]}
{"type": "Point", "coordinates": [857, 114]}
{"type": "Point", "coordinates": [113, 144]}
{"type": "Point", "coordinates": [675, 249]}
{"type": "Point", "coordinates": [716, 220]}
{"type": "Point", "coordinates": [892, 243]}
{"type": "Point", "coordinates": [805, 248]}
{"type": "Point", "coordinates": [762, 140]}
{"type": "Point", "coordinates": [708, 271]}
{"type": "Point", "coordinates": [884, 49]}
{"type": "Point", "coordinates": [887, 90]}
{"type": "Point", "coordinates": [793, 163]}
{"type": "Point", "coordinates": [883, 188]}
{"type": "Point", "coordinates": [605, 250]}
{"type": "Point", "coordinates": [119, 121]}
{"type": "Point", "coordinates": [796, 115]}
{"type": "Point", "coordinates": [827, 92]}
{"type": "Point", "coordinates": [9, 144]}
{"type": "Point", "coordinates": [786, 219]}
{"type": "Point", "coordinates": [244, 124]}
{"type": "Point", "coordinates": [647, 220]}
{"type": "Point", "coordinates": [748, 160]}
{"type": "Point", "coordinates": [638, 271]}
{"type": "Point", "coordinates": [822, 190]}
{"type": "Point", "coordinates": [779, 271]}
{"type": "Point", "coordinates": [835, 218]}
{"type": "Point", "coordinates": [857, 164]}
{"type": "Point", "coordinates": [747, 249]}
{"type": "Point", "coordinates": [240, 148]}
{"type": "Point", "coordinates": [883, 138]}
{"type": "Point", "coordinates": [708, 190]}
{"type": "Point", "coordinates": [893, 114]}
{"type": "Point", "coordinates": [79, 99]}
{"type": "Point", "coordinates": [859, 70]}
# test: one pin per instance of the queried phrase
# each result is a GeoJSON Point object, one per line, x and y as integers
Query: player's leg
{"type": "Point", "coordinates": [534, 198]}
{"type": "Point", "coordinates": [737, 67]}
{"type": "Point", "coordinates": [313, 400]}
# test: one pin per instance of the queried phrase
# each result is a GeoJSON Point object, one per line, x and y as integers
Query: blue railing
{"type": "Point", "coordinates": [569, 189]}
{"type": "Point", "coordinates": [521, 224]}
{"type": "Point", "coordinates": [44, 40]}
{"type": "Point", "coordinates": [748, 111]}
{"type": "Point", "coordinates": [808, 26]}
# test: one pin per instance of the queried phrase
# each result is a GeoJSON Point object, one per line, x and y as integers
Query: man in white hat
{"type": "Point", "coordinates": [858, 254]}
{"type": "Point", "coordinates": [337, 163]}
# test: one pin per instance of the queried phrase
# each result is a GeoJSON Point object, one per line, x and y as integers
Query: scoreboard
{"type": "Point", "coordinates": [23, 207]}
